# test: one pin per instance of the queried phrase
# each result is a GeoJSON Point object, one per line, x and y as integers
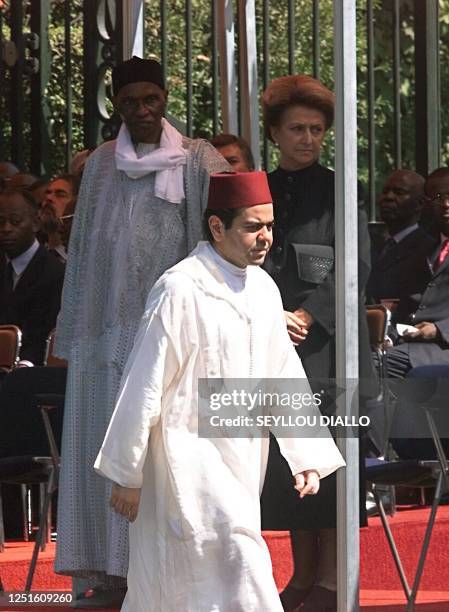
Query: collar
{"type": "Point", "coordinates": [61, 252]}
{"type": "Point", "coordinates": [226, 265]}
{"type": "Point", "coordinates": [405, 232]}
{"type": "Point", "coordinates": [20, 262]}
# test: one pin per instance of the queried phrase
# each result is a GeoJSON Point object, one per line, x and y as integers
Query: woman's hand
{"type": "Point", "coordinates": [296, 327]}
{"type": "Point", "coordinates": [305, 316]}
{"type": "Point", "coordinates": [307, 483]}
{"type": "Point", "coordinates": [125, 501]}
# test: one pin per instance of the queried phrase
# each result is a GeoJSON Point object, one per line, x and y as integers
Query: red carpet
{"type": "Point", "coordinates": [381, 589]}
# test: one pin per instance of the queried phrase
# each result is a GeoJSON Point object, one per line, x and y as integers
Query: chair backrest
{"type": "Point", "coordinates": [10, 343]}
{"type": "Point", "coordinates": [377, 317]}
{"type": "Point", "coordinates": [50, 359]}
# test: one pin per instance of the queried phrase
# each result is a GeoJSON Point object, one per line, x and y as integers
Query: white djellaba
{"type": "Point", "coordinates": [196, 544]}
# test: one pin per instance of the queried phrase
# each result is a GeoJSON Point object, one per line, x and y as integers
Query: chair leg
{"type": "Point", "coordinates": [392, 544]}
{"type": "Point", "coordinates": [40, 532]}
{"type": "Point", "coordinates": [49, 524]}
{"type": "Point", "coordinates": [2, 526]}
{"type": "Point", "coordinates": [41, 509]}
{"type": "Point", "coordinates": [411, 593]}
{"type": "Point", "coordinates": [427, 536]}
{"type": "Point", "coordinates": [25, 512]}
{"type": "Point", "coordinates": [392, 509]}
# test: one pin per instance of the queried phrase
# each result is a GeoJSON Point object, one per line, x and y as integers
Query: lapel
{"type": "Point", "coordinates": [31, 273]}
{"type": "Point", "coordinates": [5, 291]}
{"type": "Point", "coordinates": [442, 267]}
{"type": "Point", "coordinates": [400, 251]}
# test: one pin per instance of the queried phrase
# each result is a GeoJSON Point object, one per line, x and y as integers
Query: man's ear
{"type": "Point", "coordinates": [421, 201]}
{"type": "Point", "coordinates": [216, 227]}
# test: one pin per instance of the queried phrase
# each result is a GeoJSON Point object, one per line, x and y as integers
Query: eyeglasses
{"type": "Point", "coordinates": [440, 198]}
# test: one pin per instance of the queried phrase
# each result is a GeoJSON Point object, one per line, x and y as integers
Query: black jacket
{"type": "Point", "coordinates": [430, 303]}
{"type": "Point", "coordinates": [304, 204]}
{"type": "Point", "coordinates": [34, 303]}
{"type": "Point", "coordinates": [393, 272]}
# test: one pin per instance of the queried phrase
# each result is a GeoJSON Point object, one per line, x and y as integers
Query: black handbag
{"type": "Point", "coordinates": [313, 261]}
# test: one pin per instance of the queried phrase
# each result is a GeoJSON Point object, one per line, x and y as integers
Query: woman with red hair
{"type": "Point", "coordinates": [298, 112]}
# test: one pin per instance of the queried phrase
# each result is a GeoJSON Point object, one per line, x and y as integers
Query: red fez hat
{"type": "Point", "coordinates": [238, 190]}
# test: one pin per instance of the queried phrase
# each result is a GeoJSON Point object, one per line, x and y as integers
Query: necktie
{"type": "Point", "coordinates": [388, 246]}
{"type": "Point", "coordinates": [441, 255]}
{"type": "Point", "coordinates": [9, 278]}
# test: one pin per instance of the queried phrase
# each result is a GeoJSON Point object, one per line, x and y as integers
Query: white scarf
{"type": "Point", "coordinates": [167, 161]}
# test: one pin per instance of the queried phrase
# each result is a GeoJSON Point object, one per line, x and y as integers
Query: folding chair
{"type": "Point", "coordinates": [421, 473]}
{"type": "Point", "coordinates": [28, 469]}
{"type": "Point", "coordinates": [10, 344]}
{"type": "Point", "coordinates": [378, 318]}
{"type": "Point", "coordinates": [50, 358]}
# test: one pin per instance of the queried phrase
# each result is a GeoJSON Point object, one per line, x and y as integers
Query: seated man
{"type": "Point", "coordinates": [427, 309]}
{"type": "Point", "coordinates": [393, 265]}
{"type": "Point", "coordinates": [235, 150]}
{"type": "Point", "coordinates": [30, 290]}
{"type": "Point", "coordinates": [56, 214]}
{"type": "Point", "coordinates": [30, 278]}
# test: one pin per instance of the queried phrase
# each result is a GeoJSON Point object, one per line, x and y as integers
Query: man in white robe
{"type": "Point", "coordinates": [139, 212]}
{"type": "Point", "coordinates": [195, 542]}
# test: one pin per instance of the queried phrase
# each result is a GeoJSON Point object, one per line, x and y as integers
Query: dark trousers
{"type": "Point", "coordinates": [22, 430]}
{"type": "Point", "coordinates": [398, 366]}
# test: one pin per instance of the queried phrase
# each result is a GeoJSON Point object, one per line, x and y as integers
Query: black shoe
{"type": "Point", "coordinates": [320, 599]}
{"type": "Point", "coordinates": [292, 597]}
{"type": "Point", "coordinates": [112, 598]}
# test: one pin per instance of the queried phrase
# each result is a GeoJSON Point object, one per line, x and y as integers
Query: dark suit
{"type": "Point", "coordinates": [393, 273]}
{"type": "Point", "coordinates": [430, 302]}
{"type": "Point", "coordinates": [34, 303]}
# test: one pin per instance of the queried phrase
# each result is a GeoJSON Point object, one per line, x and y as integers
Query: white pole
{"type": "Point", "coordinates": [133, 28]}
{"type": "Point", "coordinates": [228, 78]}
{"type": "Point", "coordinates": [248, 77]}
{"type": "Point", "coordinates": [346, 251]}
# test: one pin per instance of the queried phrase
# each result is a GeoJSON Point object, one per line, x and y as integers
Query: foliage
{"type": "Point", "coordinates": [202, 106]}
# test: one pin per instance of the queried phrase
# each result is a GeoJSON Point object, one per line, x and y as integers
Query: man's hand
{"type": "Point", "coordinates": [296, 327]}
{"type": "Point", "coordinates": [425, 332]}
{"type": "Point", "coordinates": [125, 501]}
{"type": "Point", "coordinates": [307, 483]}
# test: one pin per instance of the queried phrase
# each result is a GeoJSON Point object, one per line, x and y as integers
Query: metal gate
{"type": "Point", "coordinates": [218, 56]}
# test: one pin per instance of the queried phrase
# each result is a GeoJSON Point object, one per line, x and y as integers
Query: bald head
{"type": "Point", "coordinates": [401, 200]}
{"type": "Point", "coordinates": [22, 180]}
{"type": "Point", "coordinates": [7, 169]}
